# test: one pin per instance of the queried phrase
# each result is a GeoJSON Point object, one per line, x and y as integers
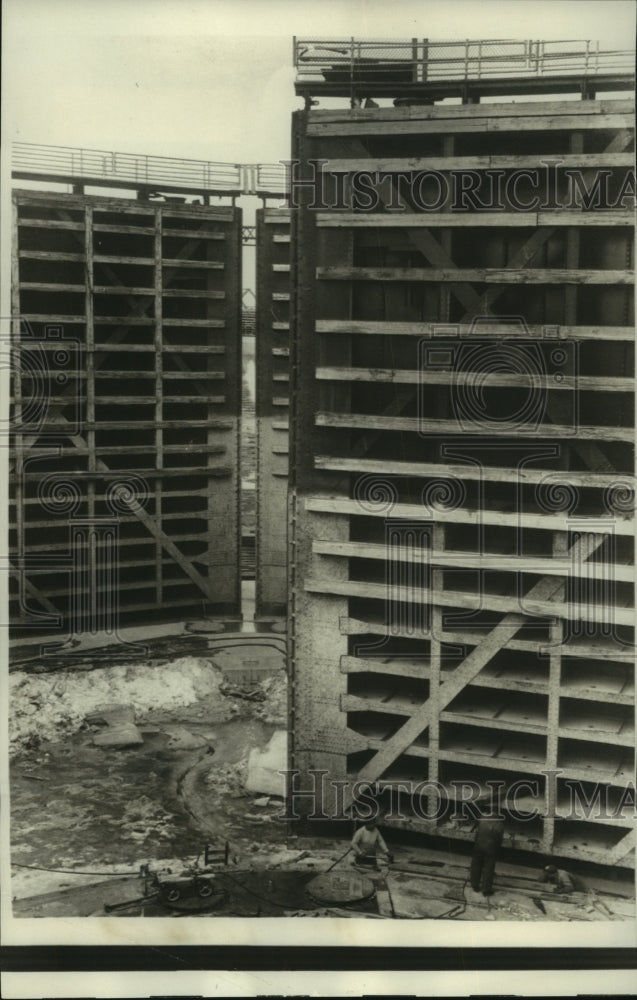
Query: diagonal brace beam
{"type": "Point", "coordinates": [494, 641]}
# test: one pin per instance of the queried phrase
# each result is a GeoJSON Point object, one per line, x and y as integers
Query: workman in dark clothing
{"type": "Point", "coordinates": [563, 881]}
{"type": "Point", "coordinates": [486, 846]}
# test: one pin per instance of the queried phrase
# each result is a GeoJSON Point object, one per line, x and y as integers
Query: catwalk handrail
{"type": "Point", "coordinates": [476, 59]}
{"type": "Point", "coordinates": [143, 170]}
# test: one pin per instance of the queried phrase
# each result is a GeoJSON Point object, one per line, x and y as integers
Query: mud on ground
{"type": "Point", "coordinates": [85, 807]}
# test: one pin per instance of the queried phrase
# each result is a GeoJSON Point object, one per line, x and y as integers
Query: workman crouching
{"type": "Point", "coordinates": [368, 843]}
{"type": "Point", "coordinates": [563, 881]}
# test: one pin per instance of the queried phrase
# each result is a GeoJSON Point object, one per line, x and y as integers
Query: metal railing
{"type": "Point", "coordinates": [418, 59]}
{"type": "Point", "coordinates": [140, 170]}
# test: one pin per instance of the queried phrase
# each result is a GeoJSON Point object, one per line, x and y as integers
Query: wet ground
{"type": "Point", "coordinates": [102, 812]}
{"type": "Point", "coordinates": [74, 803]}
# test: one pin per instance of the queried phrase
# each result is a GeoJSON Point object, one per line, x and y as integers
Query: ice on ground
{"type": "Point", "coordinates": [51, 705]}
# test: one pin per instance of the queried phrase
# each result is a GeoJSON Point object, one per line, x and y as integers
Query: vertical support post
{"type": "Point", "coordinates": [16, 347]}
{"type": "Point", "coordinates": [435, 665]}
{"type": "Point", "coordinates": [446, 235]}
{"type": "Point", "coordinates": [90, 402]}
{"type": "Point", "coordinates": [159, 397]}
{"type": "Point", "coordinates": [560, 551]}
{"type": "Point", "coordinates": [572, 248]}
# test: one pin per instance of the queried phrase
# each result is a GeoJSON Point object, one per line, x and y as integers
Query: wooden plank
{"type": "Point", "coordinates": [506, 275]}
{"type": "Point", "coordinates": [384, 665]}
{"type": "Point", "coordinates": [127, 290]}
{"type": "Point", "coordinates": [119, 425]}
{"type": "Point", "coordinates": [192, 293]}
{"type": "Point", "coordinates": [103, 258]}
{"type": "Point", "coordinates": [51, 255]}
{"type": "Point", "coordinates": [488, 473]}
{"type": "Point", "coordinates": [190, 348]}
{"type": "Point", "coordinates": [455, 125]}
{"type": "Point", "coordinates": [103, 227]}
{"type": "Point", "coordinates": [384, 328]}
{"type": "Point", "coordinates": [195, 234]}
{"type": "Point", "coordinates": [123, 322]}
{"type": "Point", "coordinates": [51, 224]}
{"type": "Point", "coordinates": [591, 650]}
{"type": "Point", "coordinates": [197, 324]}
{"type": "Point", "coordinates": [49, 286]}
{"type": "Point", "coordinates": [598, 736]}
{"type": "Point", "coordinates": [140, 450]}
{"type": "Point", "coordinates": [418, 425]}
{"type": "Point", "coordinates": [501, 723]}
{"type": "Point", "coordinates": [473, 601]}
{"type": "Point", "coordinates": [151, 400]}
{"type": "Point", "coordinates": [211, 265]}
{"type": "Point", "coordinates": [512, 220]}
{"type": "Point", "coordinates": [127, 373]}
{"type": "Point", "coordinates": [411, 164]}
{"type": "Point", "coordinates": [53, 318]}
{"type": "Point", "coordinates": [458, 558]}
{"type": "Point", "coordinates": [463, 674]}
{"type": "Point", "coordinates": [467, 111]}
{"type": "Point", "coordinates": [125, 206]}
{"type": "Point", "coordinates": [205, 376]}
{"type": "Point", "coordinates": [102, 472]}
{"type": "Point", "coordinates": [456, 378]}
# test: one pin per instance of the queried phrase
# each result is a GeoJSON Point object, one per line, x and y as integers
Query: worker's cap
{"type": "Point", "coordinates": [550, 870]}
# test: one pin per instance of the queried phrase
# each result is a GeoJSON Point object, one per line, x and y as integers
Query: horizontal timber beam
{"type": "Point", "coordinates": [475, 601]}
{"type": "Point", "coordinates": [455, 378]}
{"type": "Point", "coordinates": [459, 559]}
{"type": "Point", "coordinates": [458, 125]}
{"type": "Point", "coordinates": [501, 109]}
{"type": "Point", "coordinates": [481, 330]}
{"type": "Point", "coordinates": [411, 164]}
{"type": "Point", "coordinates": [496, 275]}
{"type": "Point", "coordinates": [418, 425]}
{"type": "Point", "coordinates": [445, 220]}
